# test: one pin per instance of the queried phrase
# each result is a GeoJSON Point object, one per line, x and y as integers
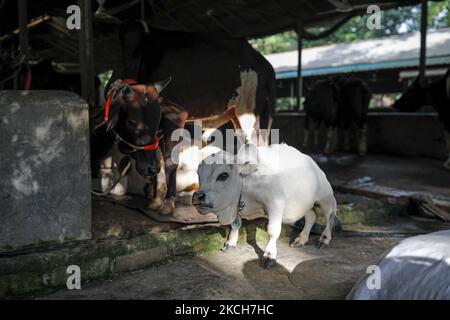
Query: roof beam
{"type": "Point", "coordinates": [168, 14]}
{"type": "Point", "coordinates": [210, 14]}
{"type": "Point", "coordinates": [121, 8]}
{"type": "Point", "coordinates": [32, 24]}
{"type": "Point", "coordinates": [235, 16]}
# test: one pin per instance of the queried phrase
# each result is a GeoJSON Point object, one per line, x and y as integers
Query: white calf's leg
{"type": "Point", "coordinates": [302, 239]}
{"type": "Point", "coordinates": [234, 235]}
{"type": "Point", "coordinates": [274, 230]}
{"type": "Point", "coordinates": [447, 140]}
{"type": "Point", "coordinates": [328, 207]}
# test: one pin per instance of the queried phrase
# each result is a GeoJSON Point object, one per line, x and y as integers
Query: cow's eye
{"type": "Point", "coordinates": [132, 122]}
{"type": "Point", "coordinates": [222, 177]}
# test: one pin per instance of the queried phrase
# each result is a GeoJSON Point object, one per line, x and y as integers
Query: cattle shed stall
{"type": "Point", "coordinates": [49, 220]}
{"type": "Point", "coordinates": [389, 65]}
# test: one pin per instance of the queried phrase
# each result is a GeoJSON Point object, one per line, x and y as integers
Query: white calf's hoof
{"type": "Point", "coordinates": [298, 242]}
{"type": "Point", "coordinates": [323, 242]}
{"type": "Point", "coordinates": [267, 263]}
{"type": "Point", "coordinates": [228, 247]}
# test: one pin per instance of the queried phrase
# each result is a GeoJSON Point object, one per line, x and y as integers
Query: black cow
{"type": "Point", "coordinates": [206, 72]}
{"type": "Point", "coordinates": [354, 100]}
{"type": "Point", "coordinates": [435, 94]}
{"type": "Point", "coordinates": [322, 106]}
{"type": "Point", "coordinates": [338, 103]}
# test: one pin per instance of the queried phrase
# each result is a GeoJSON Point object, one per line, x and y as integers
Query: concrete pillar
{"type": "Point", "coordinates": [23, 21]}
{"type": "Point", "coordinates": [86, 45]}
{"type": "Point", "coordinates": [44, 168]}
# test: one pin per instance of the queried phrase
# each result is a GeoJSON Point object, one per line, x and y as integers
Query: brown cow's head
{"type": "Point", "coordinates": [133, 112]}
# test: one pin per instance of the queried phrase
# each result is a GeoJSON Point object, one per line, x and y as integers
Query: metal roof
{"type": "Point", "coordinates": [373, 54]}
{"type": "Point", "coordinates": [237, 18]}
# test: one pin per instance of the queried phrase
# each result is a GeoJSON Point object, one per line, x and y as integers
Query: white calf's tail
{"type": "Point", "coordinates": [335, 221]}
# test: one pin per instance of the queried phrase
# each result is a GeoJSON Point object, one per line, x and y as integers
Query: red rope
{"type": "Point", "coordinates": [28, 80]}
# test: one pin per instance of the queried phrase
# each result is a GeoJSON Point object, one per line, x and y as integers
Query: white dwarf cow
{"type": "Point", "coordinates": [287, 184]}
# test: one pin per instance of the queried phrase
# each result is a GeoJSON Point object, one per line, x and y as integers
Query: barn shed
{"type": "Point", "coordinates": [388, 64]}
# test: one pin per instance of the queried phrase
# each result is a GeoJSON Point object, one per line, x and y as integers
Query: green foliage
{"type": "Point", "coordinates": [394, 21]}
{"type": "Point", "coordinates": [104, 77]}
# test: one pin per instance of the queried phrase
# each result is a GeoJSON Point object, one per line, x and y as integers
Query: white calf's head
{"type": "Point", "coordinates": [220, 185]}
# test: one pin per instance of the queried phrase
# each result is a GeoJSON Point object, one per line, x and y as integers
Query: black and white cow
{"type": "Point", "coordinates": [338, 103]}
{"type": "Point", "coordinates": [211, 76]}
{"type": "Point", "coordinates": [435, 94]}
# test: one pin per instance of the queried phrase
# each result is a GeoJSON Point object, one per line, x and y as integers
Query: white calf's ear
{"type": "Point", "coordinates": [247, 159]}
{"type": "Point", "coordinates": [246, 169]}
{"type": "Point", "coordinates": [247, 153]}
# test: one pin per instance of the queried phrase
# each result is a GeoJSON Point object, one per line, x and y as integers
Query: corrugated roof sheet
{"type": "Point", "coordinates": [386, 52]}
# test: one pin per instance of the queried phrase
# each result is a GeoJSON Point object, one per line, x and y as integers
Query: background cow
{"type": "Point", "coordinates": [210, 74]}
{"type": "Point", "coordinates": [435, 94]}
{"type": "Point", "coordinates": [339, 103]}
{"type": "Point", "coordinates": [322, 106]}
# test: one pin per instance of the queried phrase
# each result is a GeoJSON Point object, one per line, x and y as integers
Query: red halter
{"type": "Point", "coordinates": [148, 147]}
{"type": "Point", "coordinates": [111, 95]}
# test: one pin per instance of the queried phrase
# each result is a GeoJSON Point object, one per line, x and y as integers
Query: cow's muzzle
{"type": "Point", "coordinates": [199, 201]}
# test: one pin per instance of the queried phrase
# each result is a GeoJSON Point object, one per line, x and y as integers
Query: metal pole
{"type": "Point", "coordinates": [23, 37]}
{"type": "Point", "coordinates": [299, 68]}
{"type": "Point", "coordinates": [423, 41]}
{"type": "Point", "coordinates": [23, 30]}
{"type": "Point", "coordinates": [86, 52]}
{"type": "Point", "coordinates": [143, 10]}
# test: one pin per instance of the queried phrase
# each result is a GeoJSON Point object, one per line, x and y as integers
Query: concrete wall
{"type": "Point", "coordinates": [44, 168]}
{"type": "Point", "coordinates": [393, 133]}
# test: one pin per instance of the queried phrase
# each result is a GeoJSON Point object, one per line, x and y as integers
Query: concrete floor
{"type": "Point", "coordinates": [301, 273]}
{"type": "Point", "coordinates": [386, 174]}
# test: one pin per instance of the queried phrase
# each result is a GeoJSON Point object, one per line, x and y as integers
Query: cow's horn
{"type": "Point", "coordinates": [160, 85]}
